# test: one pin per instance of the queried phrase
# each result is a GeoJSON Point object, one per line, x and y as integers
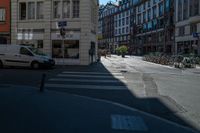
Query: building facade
{"type": "Point", "coordinates": [35, 22]}
{"type": "Point", "coordinates": [114, 25]}
{"type": "Point", "coordinates": [4, 21]}
{"type": "Point", "coordinates": [122, 23]}
{"type": "Point", "coordinates": [106, 26]}
{"type": "Point", "coordinates": [153, 28]}
{"type": "Point", "coordinates": [187, 17]}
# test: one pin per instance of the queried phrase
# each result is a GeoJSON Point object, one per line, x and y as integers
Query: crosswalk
{"type": "Point", "coordinates": [87, 80]}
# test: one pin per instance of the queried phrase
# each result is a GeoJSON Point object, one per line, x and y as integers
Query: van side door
{"type": "Point", "coordinates": [25, 57]}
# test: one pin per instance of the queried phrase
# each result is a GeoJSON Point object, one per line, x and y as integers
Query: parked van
{"type": "Point", "coordinates": [24, 56]}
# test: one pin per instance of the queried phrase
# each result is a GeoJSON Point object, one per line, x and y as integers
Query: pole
{"type": "Point", "coordinates": [198, 46]}
{"type": "Point", "coordinates": [63, 50]}
{"type": "Point", "coordinates": [42, 82]}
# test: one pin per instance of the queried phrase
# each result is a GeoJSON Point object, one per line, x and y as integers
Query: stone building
{"type": "Point", "coordinates": [187, 19]}
{"type": "Point", "coordinates": [35, 22]}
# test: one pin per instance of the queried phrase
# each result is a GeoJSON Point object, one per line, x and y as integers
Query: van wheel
{"type": "Point", "coordinates": [35, 65]}
{"type": "Point", "coordinates": [1, 64]}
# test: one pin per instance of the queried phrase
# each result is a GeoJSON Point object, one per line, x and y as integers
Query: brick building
{"type": "Point", "coordinates": [4, 21]}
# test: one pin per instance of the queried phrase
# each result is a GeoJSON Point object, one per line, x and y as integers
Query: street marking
{"type": "Point", "coordinates": [90, 76]}
{"type": "Point", "coordinates": [94, 73]}
{"type": "Point", "coordinates": [139, 111]}
{"type": "Point", "coordinates": [95, 87]}
{"type": "Point", "coordinates": [87, 81]}
{"type": "Point", "coordinates": [122, 122]}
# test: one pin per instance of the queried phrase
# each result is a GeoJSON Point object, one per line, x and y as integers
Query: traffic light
{"type": "Point", "coordinates": [62, 32]}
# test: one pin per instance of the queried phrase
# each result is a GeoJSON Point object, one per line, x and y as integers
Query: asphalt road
{"type": "Point", "coordinates": [169, 93]}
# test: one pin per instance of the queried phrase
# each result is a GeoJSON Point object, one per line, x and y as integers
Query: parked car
{"type": "Point", "coordinates": [23, 56]}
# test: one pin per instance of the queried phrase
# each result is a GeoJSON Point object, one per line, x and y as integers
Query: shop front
{"type": "Point", "coordinates": [66, 50]}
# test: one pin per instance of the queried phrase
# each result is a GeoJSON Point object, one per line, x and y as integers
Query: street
{"type": "Point", "coordinates": [162, 91]}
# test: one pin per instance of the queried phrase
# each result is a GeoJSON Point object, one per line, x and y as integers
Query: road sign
{"type": "Point", "coordinates": [195, 34]}
{"type": "Point", "coordinates": [62, 23]}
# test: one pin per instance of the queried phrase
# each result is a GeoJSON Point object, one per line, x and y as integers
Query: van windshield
{"type": "Point", "coordinates": [37, 51]}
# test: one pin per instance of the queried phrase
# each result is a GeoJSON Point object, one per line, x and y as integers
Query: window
{"type": "Point", "coordinates": [139, 8]}
{"type": "Point", "coordinates": [123, 30]}
{"type": "Point", "coordinates": [123, 21]}
{"type": "Point", "coordinates": [127, 30]}
{"type": "Point", "coordinates": [76, 7]}
{"type": "Point", "coordinates": [181, 31]}
{"type": "Point", "coordinates": [139, 18]}
{"type": "Point", "coordinates": [194, 7]}
{"type": "Point", "coordinates": [22, 7]}
{"type": "Point", "coordinates": [40, 11]}
{"type": "Point", "coordinates": [2, 14]}
{"type": "Point", "coordinates": [31, 10]}
{"type": "Point", "coordinates": [185, 9]}
{"type": "Point", "coordinates": [25, 51]}
{"type": "Point", "coordinates": [161, 10]}
{"type": "Point", "coordinates": [127, 20]}
{"type": "Point", "coordinates": [149, 4]}
{"type": "Point", "coordinates": [193, 28]}
{"type": "Point", "coordinates": [154, 12]}
{"type": "Point", "coordinates": [66, 9]}
{"type": "Point", "coordinates": [144, 17]}
{"type": "Point", "coordinates": [57, 10]}
{"type": "Point", "coordinates": [144, 6]}
{"type": "Point", "coordinates": [149, 14]}
{"type": "Point", "coordinates": [180, 10]}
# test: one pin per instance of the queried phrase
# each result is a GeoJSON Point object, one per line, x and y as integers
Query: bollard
{"type": "Point", "coordinates": [42, 82]}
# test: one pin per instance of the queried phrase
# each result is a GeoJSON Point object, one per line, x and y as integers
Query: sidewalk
{"type": "Point", "coordinates": [25, 110]}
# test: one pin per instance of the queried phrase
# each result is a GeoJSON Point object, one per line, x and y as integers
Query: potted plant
{"type": "Point", "coordinates": [123, 50]}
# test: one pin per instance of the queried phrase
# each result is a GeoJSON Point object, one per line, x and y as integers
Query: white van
{"type": "Point", "coordinates": [24, 56]}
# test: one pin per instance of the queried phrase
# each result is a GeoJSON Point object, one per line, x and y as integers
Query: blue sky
{"type": "Point", "coordinates": [103, 1]}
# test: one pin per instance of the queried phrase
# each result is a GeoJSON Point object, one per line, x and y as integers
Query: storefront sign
{"type": "Point", "coordinates": [62, 23]}
{"type": "Point", "coordinates": [67, 36]}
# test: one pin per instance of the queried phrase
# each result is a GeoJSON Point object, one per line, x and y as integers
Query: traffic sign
{"type": "Point", "coordinates": [195, 34]}
{"type": "Point", "coordinates": [62, 23]}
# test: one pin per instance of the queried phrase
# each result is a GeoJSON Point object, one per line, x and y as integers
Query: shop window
{"type": "Point", "coordinates": [40, 44]}
{"type": "Point", "coordinates": [3, 40]}
{"type": "Point", "coordinates": [71, 49]}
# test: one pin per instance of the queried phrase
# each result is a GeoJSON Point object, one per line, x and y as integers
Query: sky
{"type": "Point", "coordinates": [104, 1]}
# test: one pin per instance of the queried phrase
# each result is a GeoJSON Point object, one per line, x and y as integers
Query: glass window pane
{"type": "Point", "coordinates": [31, 10]}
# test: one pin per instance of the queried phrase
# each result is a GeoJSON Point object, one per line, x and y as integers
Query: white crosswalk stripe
{"type": "Point", "coordinates": [102, 87]}
{"type": "Point", "coordinates": [87, 80]}
{"type": "Point", "coordinates": [90, 76]}
{"type": "Point", "coordinates": [94, 73]}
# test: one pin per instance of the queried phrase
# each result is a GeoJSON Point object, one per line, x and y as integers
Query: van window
{"type": "Point", "coordinates": [25, 51]}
